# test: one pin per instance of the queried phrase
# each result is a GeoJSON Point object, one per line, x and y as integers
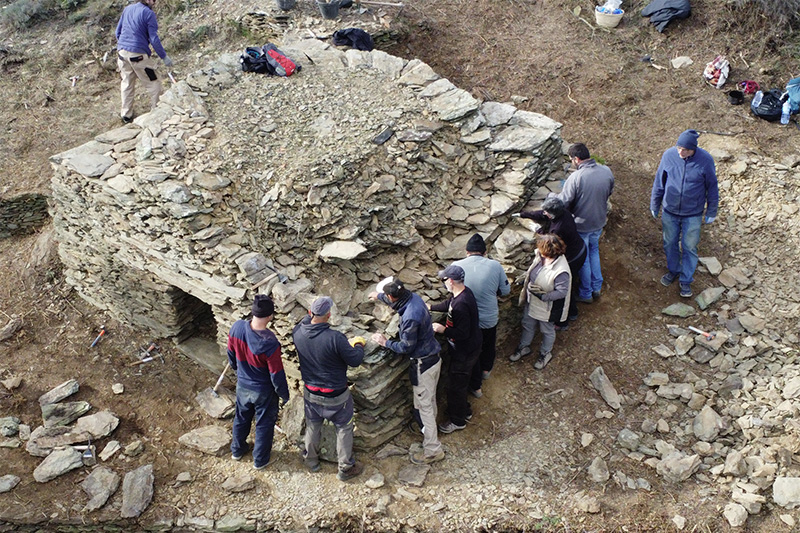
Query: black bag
{"type": "Point", "coordinates": [770, 106]}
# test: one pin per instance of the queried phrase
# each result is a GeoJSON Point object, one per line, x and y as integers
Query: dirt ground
{"type": "Point", "coordinates": [593, 81]}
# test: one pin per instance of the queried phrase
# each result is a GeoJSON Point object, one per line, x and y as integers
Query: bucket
{"type": "Point", "coordinates": [286, 5]}
{"type": "Point", "coordinates": [735, 97]}
{"type": "Point", "coordinates": [607, 20]}
{"type": "Point", "coordinates": [329, 10]}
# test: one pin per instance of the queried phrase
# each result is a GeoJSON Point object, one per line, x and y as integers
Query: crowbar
{"type": "Point", "coordinates": [97, 339]}
{"type": "Point", "coordinates": [708, 336]}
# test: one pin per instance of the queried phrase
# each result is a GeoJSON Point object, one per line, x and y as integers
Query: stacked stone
{"type": "Point", "coordinates": [361, 166]}
{"type": "Point", "coordinates": [22, 214]}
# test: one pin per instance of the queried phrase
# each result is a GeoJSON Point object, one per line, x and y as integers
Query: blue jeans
{"type": "Point", "coordinates": [591, 277]}
{"type": "Point", "coordinates": [264, 406]}
{"type": "Point", "coordinates": [681, 235]}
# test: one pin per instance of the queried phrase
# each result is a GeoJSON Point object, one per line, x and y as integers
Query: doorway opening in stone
{"type": "Point", "coordinates": [197, 336]}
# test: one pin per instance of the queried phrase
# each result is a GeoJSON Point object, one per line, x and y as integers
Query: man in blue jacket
{"type": "Point", "coordinates": [418, 342]}
{"type": "Point", "coordinates": [685, 186]}
{"type": "Point", "coordinates": [255, 354]}
{"type": "Point", "coordinates": [136, 31]}
{"type": "Point", "coordinates": [324, 356]}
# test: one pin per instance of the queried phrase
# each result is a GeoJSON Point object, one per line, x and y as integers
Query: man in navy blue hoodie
{"type": "Point", "coordinates": [324, 356]}
{"type": "Point", "coordinates": [136, 31]}
{"type": "Point", "coordinates": [255, 354]}
{"type": "Point", "coordinates": [685, 186]}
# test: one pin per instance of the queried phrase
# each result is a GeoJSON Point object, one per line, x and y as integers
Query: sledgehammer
{"type": "Point", "coordinates": [221, 377]}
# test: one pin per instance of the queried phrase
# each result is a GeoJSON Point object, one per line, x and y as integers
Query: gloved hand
{"type": "Point", "coordinates": [357, 340]}
{"type": "Point", "coordinates": [655, 214]}
{"type": "Point", "coordinates": [168, 62]}
{"type": "Point", "coordinates": [709, 220]}
{"type": "Point", "coordinates": [533, 288]}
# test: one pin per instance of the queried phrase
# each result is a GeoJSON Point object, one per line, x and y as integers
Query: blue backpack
{"type": "Point", "coordinates": [793, 90]}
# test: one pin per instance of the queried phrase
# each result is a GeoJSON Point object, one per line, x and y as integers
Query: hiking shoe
{"type": "Point", "coordinates": [583, 300]}
{"type": "Point", "coordinates": [313, 468]}
{"type": "Point", "coordinates": [476, 393]}
{"type": "Point", "coordinates": [668, 278]}
{"type": "Point", "coordinates": [127, 120]}
{"type": "Point", "coordinates": [596, 295]}
{"type": "Point", "coordinates": [351, 472]}
{"type": "Point", "coordinates": [419, 458]}
{"type": "Point", "coordinates": [520, 353]}
{"type": "Point", "coordinates": [542, 360]}
{"type": "Point", "coordinates": [450, 427]}
{"type": "Point", "coordinates": [686, 290]}
{"type": "Point", "coordinates": [486, 374]}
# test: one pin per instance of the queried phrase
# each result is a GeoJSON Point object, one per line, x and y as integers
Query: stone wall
{"type": "Point", "coordinates": [238, 184]}
{"type": "Point", "coordinates": [22, 214]}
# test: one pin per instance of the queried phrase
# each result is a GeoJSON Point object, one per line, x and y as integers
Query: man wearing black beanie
{"type": "Point", "coordinates": [255, 354]}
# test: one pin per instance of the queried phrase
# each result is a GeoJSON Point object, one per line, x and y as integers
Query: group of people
{"type": "Point", "coordinates": [565, 270]}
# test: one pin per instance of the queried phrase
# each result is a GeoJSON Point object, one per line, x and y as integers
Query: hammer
{"type": "Point", "coordinates": [708, 336]}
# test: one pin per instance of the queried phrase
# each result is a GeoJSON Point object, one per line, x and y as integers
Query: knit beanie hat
{"type": "Point", "coordinates": [262, 306]}
{"type": "Point", "coordinates": [476, 244]}
{"type": "Point", "coordinates": [688, 140]}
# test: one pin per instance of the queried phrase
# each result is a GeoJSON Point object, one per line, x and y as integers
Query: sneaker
{"type": "Point", "coordinates": [565, 327]}
{"type": "Point", "coordinates": [520, 353]}
{"type": "Point", "coordinates": [127, 120]}
{"type": "Point", "coordinates": [469, 417]}
{"type": "Point", "coordinates": [236, 457]}
{"type": "Point", "coordinates": [668, 278]}
{"type": "Point", "coordinates": [596, 295]}
{"type": "Point", "coordinates": [313, 468]}
{"type": "Point", "coordinates": [351, 472]}
{"type": "Point", "coordinates": [486, 374]}
{"type": "Point", "coordinates": [450, 427]}
{"type": "Point", "coordinates": [542, 360]}
{"type": "Point", "coordinates": [572, 318]}
{"type": "Point", "coordinates": [419, 458]}
{"type": "Point", "coordinates": [262, 467]}
{"type": "Point", "coordinates": [583, 300]}
{"type": "Point", "coordinates": [476, 393]}
{"type": "Point", "coordinates": [686, 290]}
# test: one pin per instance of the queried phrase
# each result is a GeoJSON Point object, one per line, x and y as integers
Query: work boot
{"type": "Point", "coordinates": [521, 352]}
{"type": "Point", "coordinates": [668, 278]}
{"type": "Point", "coordinates": [419, 457]}
{"type": "Point", "coordinates": [351, 472]}
{"type": "Point", "coordinates": [542, 360]}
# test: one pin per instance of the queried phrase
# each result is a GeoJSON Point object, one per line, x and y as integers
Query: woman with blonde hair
{"type": "Point", "coordinates": [545, 298]}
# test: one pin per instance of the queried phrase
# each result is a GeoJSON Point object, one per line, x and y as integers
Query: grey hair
{"type": "Point", "coordinates": [554, 206]}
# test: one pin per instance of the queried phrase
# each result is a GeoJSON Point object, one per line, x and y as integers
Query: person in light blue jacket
{"type": "Point", "coordinates": [686, 188]}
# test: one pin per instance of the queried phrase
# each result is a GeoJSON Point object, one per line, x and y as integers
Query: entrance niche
{"type": "Point", "coordinates": [197, 329]}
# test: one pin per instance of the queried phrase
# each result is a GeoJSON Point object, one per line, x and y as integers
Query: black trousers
{"type": "Point", "coordinates": [461, 365]}
{"type": "Point", "coordinates": [486, 358]}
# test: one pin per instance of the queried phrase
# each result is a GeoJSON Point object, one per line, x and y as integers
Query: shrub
{"type": "Point", "coordinates": [18, 14]}
{"type": "Point", "coordinates": [785, 14]}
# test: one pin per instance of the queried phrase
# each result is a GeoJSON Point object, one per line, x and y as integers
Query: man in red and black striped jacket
{"type": "Point", "coordinates": [255, 353]}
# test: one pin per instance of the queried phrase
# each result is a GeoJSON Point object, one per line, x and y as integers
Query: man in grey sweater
{"type": "Point", "coordinates": [586, 194]}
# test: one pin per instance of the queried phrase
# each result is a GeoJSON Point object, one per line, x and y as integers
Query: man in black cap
{"type": "Point", "coordinates": [255, 354]}
{"type": "Point", "coordinates": [324, 356]}
{"type": "Point", "coordinates": [464, 338]}
{"type": "Point", "coordinates": [487, 280]}
{"type": "Point", "coordinates": [418, 342]}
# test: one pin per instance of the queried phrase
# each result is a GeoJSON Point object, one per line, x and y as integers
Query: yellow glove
{"type": "Point", "coordinates": [358, 340]}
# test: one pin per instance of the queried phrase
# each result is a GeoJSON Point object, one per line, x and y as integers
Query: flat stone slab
{"type": "Point", "coordinates": [57, 463]}
{"type": "Point", "coordinates": [342, 250]}
{"type": "Point", "coordinates": [390, 450]}
{"type": "Point", "coordinates": [9, 426]}
{"type": "Point", "coordinates": [213, 440]}
{"type": "Point", "coordinates": [8, 482]}
{"type": "Point", "coordinates": [137, 491]}
{"type": "Point", "coordinates": [98, 425]}
{"type": "Point", "coordinates": [712, 265]}
{"type": "Point", "coordinates": [786, 491]}
{"type": "Point", "coordinates": [413, 475]}
{"type": "Point", "coordinates": [100, 485]}
{"type": "Point", "coordinates": [603, 385]}
{"type": "Point", "coordinates": [62, 414]}
{"type": "Point", "coordinates": [43, 440]}
{"type": "Point", "coordinates": [679, 309]}
{"type": "Point", "coordinates": [239, 483]}
{"type": "Point", "coordinates": [90, 165]}
{"type": "Point", "coordinates": [709, 296]}
{"type": "Point", "coordinates": [66, 389]}
{"type": "Point", "coordinates": [713, 344]}
{"type": "Point", "coordinates": [752, 324]}
{"type": "Point", "coordinates": [219, 405]}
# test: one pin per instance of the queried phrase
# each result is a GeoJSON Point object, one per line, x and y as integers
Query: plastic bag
{"type": "Point", "coordinates": [611, 7]}
{"type": "Point", "coordinates": [716, 72]}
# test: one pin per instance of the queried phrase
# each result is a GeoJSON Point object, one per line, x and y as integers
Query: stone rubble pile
{"type": "Point", "coordinates": [66, 447]}
{"type": "Point", "coordinates": [22, 214]}
{"type": "Point", "coordinates": [725, 412]}
{"type": "Point", "coordinates": [361, 166]}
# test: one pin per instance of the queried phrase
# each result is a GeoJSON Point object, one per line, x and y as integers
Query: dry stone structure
{"type": "Point", "coordinates": [238, 184]}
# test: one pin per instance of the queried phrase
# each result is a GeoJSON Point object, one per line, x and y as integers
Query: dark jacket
{"type": "Point", "coordinates": [461, 328]}
{"type": "Point", "coordinates": [685, 187]}
{"type": "Point", "coordinates": [662, 12]}
{"type": "Point", "coordinates": [586, 193]}
{"type": "Point", "coordinates": [324, 356]}
{"type": "Point", "coordinates": [416, 331]}
{"type": "Point", "coordinates": [563, 226]}
{"type": "Point", "coordinates": [256, 358]}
